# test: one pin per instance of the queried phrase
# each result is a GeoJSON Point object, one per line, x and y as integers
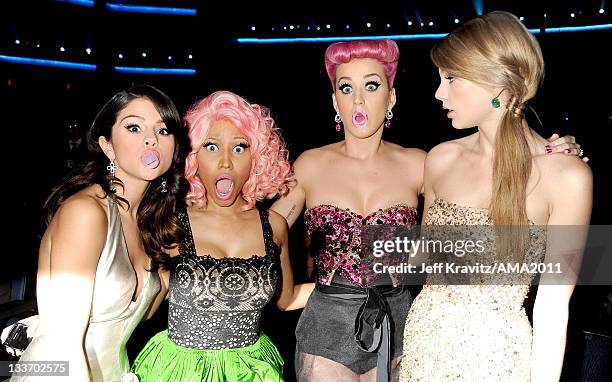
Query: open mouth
{"type": "Point", "coordinates": [224, 185]}
{"type": "Point", "coordinates": [360, 119]}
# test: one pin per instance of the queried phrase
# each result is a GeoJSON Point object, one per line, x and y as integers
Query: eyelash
{"type": "Point", "coordinates": [243, 145]}
{"type": "Point", "coordinates": [161, 131]}
{"type": "Point", "coordinates": [449, 78]}
{"type": "Point", "coordinates": [344, 86]}
{"type": "Point", "coordinates": [130, 126]}
{"type": "Point", "coordinates": [373, 83]}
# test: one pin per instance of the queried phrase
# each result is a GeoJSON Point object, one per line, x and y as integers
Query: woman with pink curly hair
{"type": "Point", "coordinates": [234, 254]}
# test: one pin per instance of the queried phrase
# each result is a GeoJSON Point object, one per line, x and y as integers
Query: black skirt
{"type": "Point", "coordinates": [327, 328]}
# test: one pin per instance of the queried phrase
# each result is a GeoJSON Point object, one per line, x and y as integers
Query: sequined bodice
{"type": "Point", "coordinates": [502, 297]}
{"type": "Point", "coordinates": [335, 240]}
{"type": "Point", "coordinates": [217, 303]}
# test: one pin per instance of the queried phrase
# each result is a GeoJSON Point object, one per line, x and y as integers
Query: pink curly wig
{"type": "Point", "coordinates": [385, 51]}
{"type": "Point", "coordinates": [271, 172]}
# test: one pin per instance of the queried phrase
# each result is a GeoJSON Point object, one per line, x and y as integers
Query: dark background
{"type": "Point", "coordinates": [38, 104]}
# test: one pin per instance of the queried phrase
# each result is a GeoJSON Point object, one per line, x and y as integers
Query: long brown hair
{"type": "Point", "coordinates": [497, 50]}
{"type": "Point", "coordinates": [157, 221]}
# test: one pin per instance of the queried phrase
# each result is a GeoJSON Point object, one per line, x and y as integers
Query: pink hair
{"type": "Point", "coordinates": [385, 51]}
{"type": "Point", "coordinates": [271, 172]}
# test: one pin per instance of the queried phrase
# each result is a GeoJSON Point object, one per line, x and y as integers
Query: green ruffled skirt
{"type": "Point", "coordinates": [162, 360]}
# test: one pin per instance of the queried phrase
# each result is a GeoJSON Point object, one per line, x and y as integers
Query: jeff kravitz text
{"type": "Point", "coordinates": [453, 268]}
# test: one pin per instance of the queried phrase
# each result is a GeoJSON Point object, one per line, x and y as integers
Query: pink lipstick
{"type": "Point", "coordinates": [360, 119]}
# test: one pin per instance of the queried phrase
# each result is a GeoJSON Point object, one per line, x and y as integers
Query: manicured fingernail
{"type": "Point", "coordinates": [567, 151]}
{"type": "Point", "coordinates": [548, 149]}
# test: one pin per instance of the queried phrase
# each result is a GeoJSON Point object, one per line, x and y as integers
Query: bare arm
{"type": "Point", "coordinates": [164, 276]}
{"type": "Point", "coordinates": [432, 166]}
{"type": "Point", "coordinates": [76, 242]}
{"type": "Point", "coordinates": [415, 167]}
{"type": "Point", "coordinates": [291, 205]}
{"type": "Point", "coordinates": [571, 202]}
{"type": "Point", "coordinates": [291, 296]}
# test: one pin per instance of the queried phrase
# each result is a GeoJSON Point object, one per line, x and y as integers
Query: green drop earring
{"type": "Point", "coordinates": [495, 101]}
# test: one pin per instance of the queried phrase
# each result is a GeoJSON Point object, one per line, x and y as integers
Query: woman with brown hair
{"type": "Point", "coordinates": [109, 223]}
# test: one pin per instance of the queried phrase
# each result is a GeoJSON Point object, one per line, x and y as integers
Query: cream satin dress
{"type": "Point", "coordinates": [114, 315]}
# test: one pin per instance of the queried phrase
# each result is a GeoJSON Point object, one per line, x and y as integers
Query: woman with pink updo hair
{"type": "Point", "coordinates": [346, 186]}
{"type": "Point", "coordinates": [385, 52]}
{"type": "Point", "coordinates": [234, 258]}
{"type": "Point", "coordinates": [351, 328]}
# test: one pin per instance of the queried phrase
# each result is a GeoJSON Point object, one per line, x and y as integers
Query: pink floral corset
{"type": "Point", "coordinates": [335, 240]}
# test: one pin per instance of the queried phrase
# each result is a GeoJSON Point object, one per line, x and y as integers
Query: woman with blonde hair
{"type": "Point", "coordinates": [489, 69]}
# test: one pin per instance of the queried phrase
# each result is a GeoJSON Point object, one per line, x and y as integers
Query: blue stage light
{"type": "Point", "coordinates": [84, 3]}
{"type": "Point", "coordinates": [48, 63]}
{"type": "Point", "coordinates": [421, 36]}
{"type": "Point", "coordinates": [152, 10]}
{"type": "Point", "coordinates": [170, 71]}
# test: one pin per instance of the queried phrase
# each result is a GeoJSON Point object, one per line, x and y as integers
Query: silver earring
{"type": "Point", "coordinates": [111, 168]}
{"type": "Point", "coordinates": [388, 116]}
{"type": "Point", "coordinates": [163, 184]}
{"type": "Point", "coordinates": [338, 120]}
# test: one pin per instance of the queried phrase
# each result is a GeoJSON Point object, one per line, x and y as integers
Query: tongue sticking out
{"type": "Point", "coordinates": [224, 186]}
{"type": "Point", "coordinates": [150, 159]}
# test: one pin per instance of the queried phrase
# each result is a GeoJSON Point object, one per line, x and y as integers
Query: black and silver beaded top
{"type": "Point", "coordinates": [217, 303]}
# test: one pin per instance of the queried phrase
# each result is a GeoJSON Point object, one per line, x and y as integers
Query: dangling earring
{"type": "Point", "coordinates": [388, 116]}
{"type": "Point", "coordinates": [111, 168]}
{"type": "Point", "coordinates": [111, 171]}
{"type": "Point", "coordinates": [163, 185]}
{"type": "Point", "coordinates": [495, 101]}
{"type": "Point", "coordinates": [338, 120]}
